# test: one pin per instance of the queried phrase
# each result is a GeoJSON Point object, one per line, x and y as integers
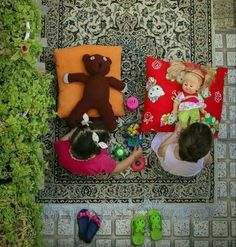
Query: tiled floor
{"type": "Point", "coordinates": [184, 225]}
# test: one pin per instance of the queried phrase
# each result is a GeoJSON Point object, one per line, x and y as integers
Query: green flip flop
{"type": "Point", "coordinates": [138, 229]}
{"type": "Point", "coordinates": [155, 221]}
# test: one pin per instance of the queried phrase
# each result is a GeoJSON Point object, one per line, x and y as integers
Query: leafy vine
{"type": "Point", "coordinates": [25, 110]}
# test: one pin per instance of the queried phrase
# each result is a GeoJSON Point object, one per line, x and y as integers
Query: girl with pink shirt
{"type": "Point", "coordinates": [84, 151]}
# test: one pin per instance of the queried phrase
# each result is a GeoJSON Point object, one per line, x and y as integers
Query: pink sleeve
{"type": "Point", "coordinates": [107, 163]}
{"type": "Point", "coordinates": [61, 148]}
{"type": "Point", "coordinates": [60, 145]}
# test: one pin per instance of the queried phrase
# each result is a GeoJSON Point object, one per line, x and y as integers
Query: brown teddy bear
{"type": "Point", "coordinates": [96, 89]}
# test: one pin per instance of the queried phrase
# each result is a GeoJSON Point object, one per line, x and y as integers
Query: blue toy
{"type": "Point", "coordinates": [134, 136]}
{"type": "Point", "coordinates": [134, 141]}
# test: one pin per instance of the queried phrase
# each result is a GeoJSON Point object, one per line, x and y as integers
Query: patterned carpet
{"type": "Point", "coordinates": [165, 29]}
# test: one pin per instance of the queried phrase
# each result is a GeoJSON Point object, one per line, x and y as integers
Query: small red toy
{"type": "Point", "coordinates": [138, 165]}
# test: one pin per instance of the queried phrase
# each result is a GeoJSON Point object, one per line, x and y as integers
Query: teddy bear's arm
{"type": "Point", "coordinates": [115, 83]}
{"type": "Point", "coordinates": [75, 77]}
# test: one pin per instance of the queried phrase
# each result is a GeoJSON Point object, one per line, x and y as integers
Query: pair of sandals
{"type": "Point", "coordinates": [89, 223]}
{"type": "Point", "coordinates": [139, 223]}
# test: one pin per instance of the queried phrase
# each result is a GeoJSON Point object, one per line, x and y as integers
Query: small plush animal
{"type": "Point", "coordinates": [96, 89]}
{"type": "Point", "coordinates": [155, 91]}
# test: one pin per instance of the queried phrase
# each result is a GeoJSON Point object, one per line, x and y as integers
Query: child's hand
{"type": "Point", "coordinates": [137, 152]}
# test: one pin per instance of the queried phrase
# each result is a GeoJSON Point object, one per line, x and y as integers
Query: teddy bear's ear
{"type": "Point", "coordinates": [85, 57]}
{"type": "Point", "coordinates": [109, 60]}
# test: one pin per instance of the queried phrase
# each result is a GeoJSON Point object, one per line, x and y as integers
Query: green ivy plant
{"type": "Point", "coordinates": [25, 110]}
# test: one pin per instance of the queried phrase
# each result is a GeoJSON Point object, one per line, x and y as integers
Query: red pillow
{"type": "Point", "coordinates": [161, 101]}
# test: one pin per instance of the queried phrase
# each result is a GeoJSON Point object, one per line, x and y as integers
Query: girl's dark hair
{"type": "Point", "coordinates": [82, 145]}
{"type": "Point", "coordinates": [195, 142]}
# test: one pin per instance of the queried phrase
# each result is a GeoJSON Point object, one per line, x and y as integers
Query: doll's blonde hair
{"type": "Point", "coordinates": [177, 71]}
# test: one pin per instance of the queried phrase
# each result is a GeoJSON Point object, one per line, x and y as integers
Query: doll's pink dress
{"type": "Point", "coordinates": [189, 101]}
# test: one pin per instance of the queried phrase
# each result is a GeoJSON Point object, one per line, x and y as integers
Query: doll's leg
{"type": "Point", "coordinates": [107, 115]}
{"type": "Point", "coordinates": [81, 108]}
{"type": "Point", "coordinates": [183, 118]}
{"type": "Point", "coordinates": [194, 115]}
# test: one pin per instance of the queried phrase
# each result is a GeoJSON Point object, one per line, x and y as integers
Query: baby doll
{"type": "Point", "coordinates": [189, 103]}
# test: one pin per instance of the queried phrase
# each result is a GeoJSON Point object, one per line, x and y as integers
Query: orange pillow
{"type": "Point", "coordinates": [69, 60]}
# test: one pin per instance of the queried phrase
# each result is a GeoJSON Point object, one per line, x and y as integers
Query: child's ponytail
{"type": "Point", "coordinates": [87, 139]}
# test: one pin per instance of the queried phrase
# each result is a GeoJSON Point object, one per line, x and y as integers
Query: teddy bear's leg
{"type": "Point", "coordinates": [107, 115]}
{"type": "Point", "coordinates": [81, 108]}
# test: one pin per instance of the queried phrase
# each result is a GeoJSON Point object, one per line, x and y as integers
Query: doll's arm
{"type": "Point", "coordinates": [175, 107]}
{"type": "Point", "coordinates": [176, 103]}
{"type": "Point", "coordinates": [75, 77]}
{"type": "Point", "coordinates": [202, 109]}
{"type": "Point", "coordinates": [115, 83]}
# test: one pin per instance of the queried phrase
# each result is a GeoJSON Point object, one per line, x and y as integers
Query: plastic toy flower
{"type": "Point", "coordinates": [24, 48]}
{"type": "Point", "coordinates": [133, 130]}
